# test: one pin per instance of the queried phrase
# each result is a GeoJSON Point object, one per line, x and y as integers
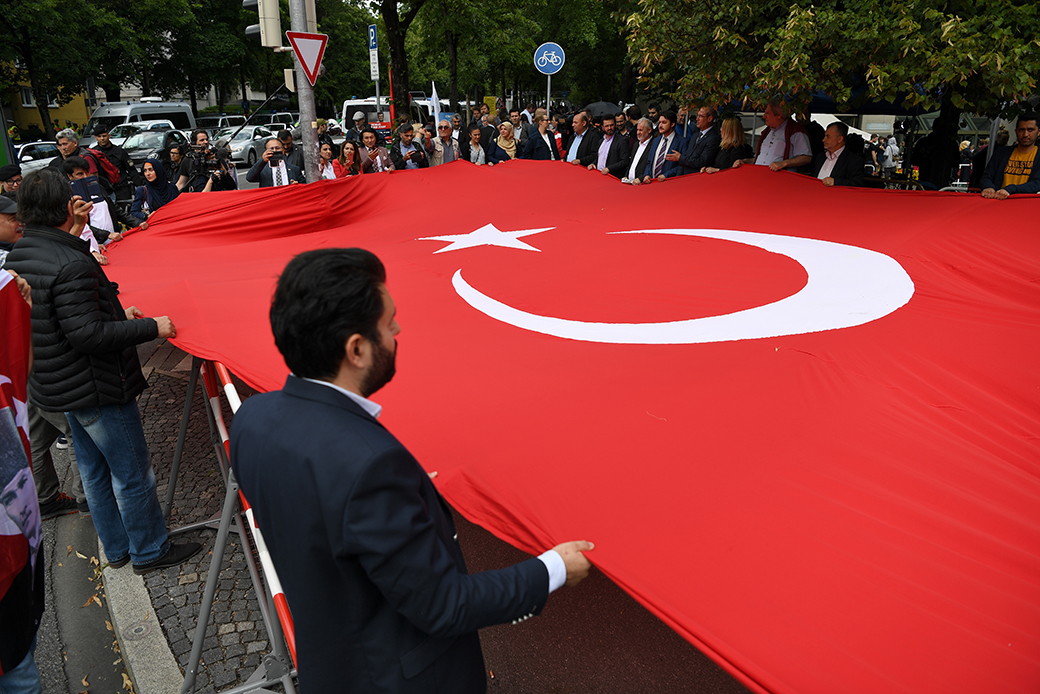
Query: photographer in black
{"type": "Point", "coordinates": [205, 168]}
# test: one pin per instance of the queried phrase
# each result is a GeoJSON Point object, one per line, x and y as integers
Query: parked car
{"type": "Point", "coordinates": [275, 121]}
{"type": "Point", "coordinates": [147, 109]}
{"type": "Point", "coordinates": [212, 124]}
{"type": "Point", "coordinates": [248, 145]}
{"type": "Point", "coordinates": [121, 133]}
{"type": "Point", "coordinates": [35, 155]}
{"type": "Point", "coordinates": [153, 144]}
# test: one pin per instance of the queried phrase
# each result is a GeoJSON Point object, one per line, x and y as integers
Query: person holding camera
{"type": "Point", "coordinates": [273, 169]}
{"type": "Point", "coordinates": [204, 168]}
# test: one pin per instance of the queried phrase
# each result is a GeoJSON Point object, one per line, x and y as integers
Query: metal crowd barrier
{"type": "Point", "coordinates": [279, 665]}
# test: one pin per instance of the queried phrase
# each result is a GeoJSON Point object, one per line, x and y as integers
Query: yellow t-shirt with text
{"type": "Point", "coordinates": [1019, 167]}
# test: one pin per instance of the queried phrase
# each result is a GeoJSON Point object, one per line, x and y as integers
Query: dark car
{"type": "Point", "coordinates": [153, 144]}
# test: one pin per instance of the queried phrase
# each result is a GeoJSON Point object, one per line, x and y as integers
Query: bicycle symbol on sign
{"type": "Point", "coordinates": [549, 58]}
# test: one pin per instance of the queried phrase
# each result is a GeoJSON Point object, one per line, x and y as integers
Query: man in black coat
{"type": "Point", "coordinates": [838, 165]}
{"type": "Point", "coordinates": [582, 146]}
{"type": "Point", "coordinates": [129, 177]}
{"type": "Point", "coordinates": [1015, 169]}
{"type": "Point", "coordinates": [85, 364]}
{"type": "Point", "coordinates": [614, 150]}
{"type": "Point", "coordinates": [365, 546]}
{"type": "Point", "coordinates": [702, 146]}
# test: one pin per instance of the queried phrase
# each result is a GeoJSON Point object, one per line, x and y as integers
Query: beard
{"type": "Point", "coordinates": [384, 365]}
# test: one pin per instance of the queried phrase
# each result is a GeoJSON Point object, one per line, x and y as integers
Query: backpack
{"type": "Point", "coordinates": [106, 169]}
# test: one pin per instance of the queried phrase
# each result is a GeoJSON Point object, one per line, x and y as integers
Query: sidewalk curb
{"type": "Point", "coordinates": [146, 653]}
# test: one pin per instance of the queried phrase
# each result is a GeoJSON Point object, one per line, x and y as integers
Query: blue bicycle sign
{"type": "Point", "coordinates": [549, 58]}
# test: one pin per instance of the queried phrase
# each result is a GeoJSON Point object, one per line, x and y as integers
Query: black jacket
{"type": "Point", "coordinates": [701, 150]}
{"type": "Point", "coordinates": [588, 149]}
{"type": "Point", "coordinates": [847, 171]}
{"type": "Point", "coordinates": [397, 158]}
{"type": "Point", "coordinates": [994, 176]}
{"type": "Point", "coordinates": [84, 348]}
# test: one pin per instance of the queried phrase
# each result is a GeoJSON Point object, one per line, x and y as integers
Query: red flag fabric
{"type": "Point", "coordinates": [800, 423]}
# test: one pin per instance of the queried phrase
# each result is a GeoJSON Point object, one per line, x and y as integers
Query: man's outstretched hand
{"type": "Point", "coordinates": [577, 565]}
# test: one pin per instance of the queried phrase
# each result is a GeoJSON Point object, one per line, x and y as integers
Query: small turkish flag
{"type": "Point", "coordinates": [799, 423]}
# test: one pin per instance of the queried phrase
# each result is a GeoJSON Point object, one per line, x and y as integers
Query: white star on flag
{"type": "Point", "coordinates": [487, 235]}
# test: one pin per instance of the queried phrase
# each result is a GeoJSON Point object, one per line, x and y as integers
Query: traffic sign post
{"type": "Point", "coordinates": [549, 59]}
{"type": "Point", "coordinates": [373, 62]}
{"type": "Point", "coordinates": [313, 49]}
{"type": "Point", "coordinates": [309, 50]}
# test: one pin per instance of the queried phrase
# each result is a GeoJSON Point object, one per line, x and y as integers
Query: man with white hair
{"type": "Point", "coordinates": [68, 145]}
{"type": "Point", "coordinates": [444, 147]}
{"type": "Point", "coordinates": [360, 123]}
{"type": "Point", "coordinates": [784, 143]}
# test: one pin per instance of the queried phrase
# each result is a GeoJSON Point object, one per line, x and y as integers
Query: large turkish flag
{"type": "Point", "coordinates": [800, 423]}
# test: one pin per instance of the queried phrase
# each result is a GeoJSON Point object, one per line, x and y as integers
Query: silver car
{"type": "Point", "coordinates": [36, 155]}
{"type": "Point", "coordinates": [248, 145]}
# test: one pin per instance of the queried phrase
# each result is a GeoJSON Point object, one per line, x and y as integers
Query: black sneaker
{"type": "Point", "coordinates": [119, 563]}
{"type": "Point", "coordinates": [84, 507]}
{"type": "Point", "coordinates": [62, 443]}
{"type": "Point", "coordinates": [61, 505]}
{"type": "Point", "coordinates": [177, 554]}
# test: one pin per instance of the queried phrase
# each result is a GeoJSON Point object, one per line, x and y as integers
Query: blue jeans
{"type": "Point", "coordinates": [23, 679]}
{"type": "Point", "coordinates": [118, 479]}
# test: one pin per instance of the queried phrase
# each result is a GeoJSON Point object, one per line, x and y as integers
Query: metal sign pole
{"type": "Point", "coordinates": [373, 60]}
{"type": "Point", "coordinates": [548, 95]}
{"type": "Point", "coordinates": [305, 93]}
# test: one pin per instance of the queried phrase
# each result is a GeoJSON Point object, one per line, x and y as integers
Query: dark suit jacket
{"type": "Point", "coordinates": [619, 155]}
{"type": "Point", "coordinates": [366, 550]}
{"type": "Point", "coordinates": [641, 163]}
{"type": "Point", "coordinates": [700, 150]}
{"type": "Point", "coordinates": [671, 168]}
{"type": "Point", "coordinates": [847, 171]}
{"type": "Point", "coordinates": [261, 172]}
{"type": "Point", "coordinates": [588, 148]}
{"type": "Point", "coordinates": [994, 176]}
{"type": "Point", "coordinates": [537, 149]}
{"type": "Point", "coordinates": [397, 158]}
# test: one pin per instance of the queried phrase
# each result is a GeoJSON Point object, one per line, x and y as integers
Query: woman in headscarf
{"type": "Point", "coordinates": [506, 140]}
{"type": "Point", "coordinates": [156, 192]}
{"type": "Point", "coordinates": [348, 163]}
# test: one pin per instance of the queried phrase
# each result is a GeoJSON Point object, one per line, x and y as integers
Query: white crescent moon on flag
{"type": "Point", "coordinates": [847, 286]}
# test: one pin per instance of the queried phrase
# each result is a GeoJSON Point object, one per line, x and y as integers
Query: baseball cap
{"type": "Point", "coordinates": [7, 205]}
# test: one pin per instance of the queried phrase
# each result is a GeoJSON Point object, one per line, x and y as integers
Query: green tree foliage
{"type": "Point", "coordinates": [38, 47]}
{"type": "Point", "coordinates": [966, 54]}
{"type": "Point", "coordinates": [346, 56]}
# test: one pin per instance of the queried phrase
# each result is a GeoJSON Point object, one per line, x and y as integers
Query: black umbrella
{"type": "Point", "coordinates": [602, 108]}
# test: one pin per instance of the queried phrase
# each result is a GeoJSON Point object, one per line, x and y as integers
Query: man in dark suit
{"type": "Point", "coordinates": [702, 145]}
{"type": "Point", "coordinates": [364, 545]}
{"type": "Point", "coordinates": [614, 152]}
{"type": "Point", "coordinates": [667, 142]}
{"type": "Point", "coordinates": [273, 169]}
{"type": "Point", "coordinates": [582, 146]}
{"type": "Point", "coordinates": [838, 165]}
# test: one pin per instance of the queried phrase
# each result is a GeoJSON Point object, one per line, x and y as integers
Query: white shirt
{"type": "Point", "coordinates": [773, 146]}
{"type": "Point", "coordinates": [553, 561]}
{"type": "Point", "coordinates": [274, 174]}
{"type": "Point", "coordinates": [604, 149]}
{"type": "Point", "coordinates": [632, 173]}
{"type": "Point", "coordinates": [828, 162]}
{"type": "Point", "coordinates": [553, 153]}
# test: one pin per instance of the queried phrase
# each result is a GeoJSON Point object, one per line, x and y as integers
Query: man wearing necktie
{"type": "Point", "coordinates": [668, 141]}
{"type": "Point", "coordinates": [273, 169]}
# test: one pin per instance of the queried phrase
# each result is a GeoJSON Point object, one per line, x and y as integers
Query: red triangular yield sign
{"type": "Point", "coordinates": [309, 49]}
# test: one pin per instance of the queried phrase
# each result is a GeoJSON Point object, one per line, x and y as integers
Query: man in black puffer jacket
{"type": "Point", "coordinates": [86, 365]}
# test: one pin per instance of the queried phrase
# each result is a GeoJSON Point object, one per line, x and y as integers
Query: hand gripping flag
{"type": "Point", "coordinates": [800, 423]}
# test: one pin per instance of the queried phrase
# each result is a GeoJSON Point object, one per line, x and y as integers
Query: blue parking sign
{"type": "Point", "coordinates": [372, 40]}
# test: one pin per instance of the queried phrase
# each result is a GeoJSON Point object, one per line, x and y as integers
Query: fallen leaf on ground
{"type": "Point", "coordinates": [85, 682]}
{"type": "Point", "coordinates": [69, 552]}
{"type": "Point", "coordinates": [108, 625]}
{"type": "Point", "coordinates": [80, 555]}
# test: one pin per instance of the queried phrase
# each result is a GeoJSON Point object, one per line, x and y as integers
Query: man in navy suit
{"type": "Point", "coordinates": [667, 142]}
{"type": "Point", "coordinates": [702, 145]}
{"type": "Point", "coordinates": [364, 545]}
{"type": "Point", "coordinates": [273, 169]}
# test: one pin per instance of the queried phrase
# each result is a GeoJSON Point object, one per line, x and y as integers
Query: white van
{"type": "Point", "coordinates": [119, 112]}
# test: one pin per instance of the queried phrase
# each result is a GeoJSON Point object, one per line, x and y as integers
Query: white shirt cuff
{"type": "Point", "coordinates": [557, 569]}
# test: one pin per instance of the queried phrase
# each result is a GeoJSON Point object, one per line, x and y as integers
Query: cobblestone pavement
{"type": "Point", "coordinates": [235, 638]}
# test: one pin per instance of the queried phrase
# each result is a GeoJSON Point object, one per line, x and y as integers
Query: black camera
{"type": "Point", "coordinates": [276, 159]}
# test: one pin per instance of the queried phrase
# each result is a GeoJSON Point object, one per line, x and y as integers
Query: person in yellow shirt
{"type": "Point", "coordinates": [1017, 169]}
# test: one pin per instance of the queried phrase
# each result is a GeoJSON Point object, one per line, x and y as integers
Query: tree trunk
{"type": "Point", "coordinates": [112, 91]}
{"type": "Point", "coordinates": [396, 30]}
{"type": "Point", "coordinates": [450, 40]}
{"type": "Point", "coordinates": [146, 82]}
{"type": "Point", "coordinates": [191, 92]}
{"type": "Point", "coordinates": [242, 84]}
